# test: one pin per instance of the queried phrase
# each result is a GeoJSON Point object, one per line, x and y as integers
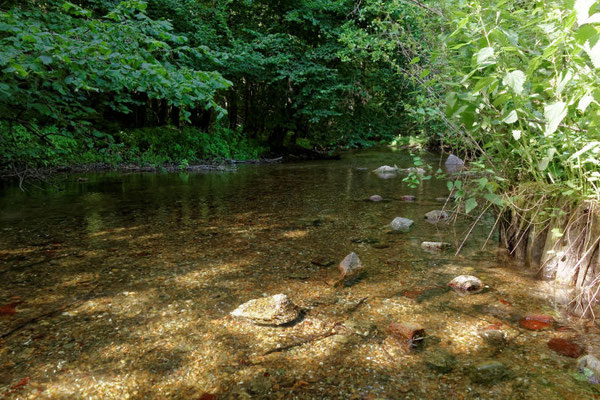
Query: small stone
{"type": "Point", "coordinates": [321, 261]}
{"type": "Point", "coordinates": [536, 322]}
{"type": "Point", "coordinates": [453, 160]}
{"type": "Point", "coordinates": [435, 246]}
{"type": "Point", "coordinates": [351, 267]}
{"type": "Point", "coordinates": [489, 372]}
{"type": "Point", "coordinates": [386, 169]}
{"type": "Point", "coordinates": [411, 332]}
{"type": "Point", "coordinates": [565, 347]}
{"type": "Point", "coordinates": [466, 284]}
{"type": "Point", "coordinates": [273, 310]}
{"type": "Point", "coordinates": [408, 198]}
{"type": "Point", "coordinates": [437, 216]}
{"type": "Point", "coordinates": [376, 198]}
{"type": "Point", "coordinates": [261, 384]}
{"type": "Point", "coordinates": [400, 224]}
{"type": "Point", "coordinates": [341, 339]}
{"type": "Point", "coordinates": [589, 366]}
{"type": "Point", "coordinates": [493, 337]}
{"type": "Point", "coordinates": [440, 361]}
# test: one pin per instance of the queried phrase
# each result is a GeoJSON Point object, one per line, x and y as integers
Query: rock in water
{"type": "Point", "coordinates": [408, 198]}
{"type": "Point", "coordinates": [351, 268]}
{"type": "Point", "coordinates": [440, 361]}
{"type": "Point", "coordinates": [466, 284]}
{"type": "Point", "coordinates": [403, 338]}
{"type": "Point", "coordinates": [590, 367]}
{"type": "Point", "coordinates": [436, 216]}
{"type": "Point", "coordinates": [489, 372]}
{"type": "Point", "coordinates": [493, 337]}
{"type": "Point", "coordinates": [273, 310]}
{"type": "Point", "coordinates": [537, 322]}
{"type": "Point", "coordinates": [386, 169]}
{"type": "Point", "coordinates": [376, 198]}
{"type": "Point", "coordinates": [453, 160]}
{"type": "Point", "coordinates": [435, 246]}
{"type": "Point", "coordinates": [401, 224]}
{"type": "Point", "coordinates": [565, 347]}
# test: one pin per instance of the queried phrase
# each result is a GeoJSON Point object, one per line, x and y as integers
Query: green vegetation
{"type": "Point", "coordinates": [511, 85]}
{"type": "Point", "coordinates": [524, 87]}
{"type": "Point", "coordinates": [120, 81]}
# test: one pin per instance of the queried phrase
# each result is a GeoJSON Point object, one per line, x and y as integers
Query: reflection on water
{"type": "Point", "coordinates": [121, 285]}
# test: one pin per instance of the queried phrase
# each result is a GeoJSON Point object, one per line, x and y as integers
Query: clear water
{"type": "Point", "coordinates": [122, 284]}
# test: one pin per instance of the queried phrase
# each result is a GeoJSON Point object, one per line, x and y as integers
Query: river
{"type": "Point", "coordinates": [120, 286]}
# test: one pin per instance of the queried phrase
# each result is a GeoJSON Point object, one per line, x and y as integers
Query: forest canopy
{"type": "Point", "coordinates": [182, 80]}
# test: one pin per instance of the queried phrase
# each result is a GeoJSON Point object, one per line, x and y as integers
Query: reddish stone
{"type": "Point", "coordinates": [9, 309]}
{"type": "Point", "coordinates": [565, 347]}
{"type": "Point", "coordinates": [408, 198]}
{"type": "Point", "coordinates": [536, 322]}
{"type": "Point", "coordinates": [408, 331]}
{"type": "Point", "coordinates": [208, 396]}
{"type": "Point", "coordinates": [505, 302]}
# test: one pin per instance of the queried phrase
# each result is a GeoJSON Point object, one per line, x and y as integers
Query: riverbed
{"type": "Point", "coordinates": [119, 286]}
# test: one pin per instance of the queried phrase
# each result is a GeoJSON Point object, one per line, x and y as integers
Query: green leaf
{"type": "Point", "coordinates": [511, 118]}
{"type": "Point", "coordinates": [554, 114]}
{"type": "Point", "coordinates": [484, 55]}
{"type": "Point", "coordinates": [584, 102]}
{"type": "Point", "coordinates": [494, 199]}
{"type": "Point", "coordinates": [515, 81]}
{"type": "Point", "coordinates": [46, 60]}
{"type": "Point", "coordinates": [543, 164]}
{"type": "Point", "coordinates": [470, 204]}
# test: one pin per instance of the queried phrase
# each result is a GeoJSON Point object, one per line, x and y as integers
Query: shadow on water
{"type": "Point", "coordinates": [121, 286]}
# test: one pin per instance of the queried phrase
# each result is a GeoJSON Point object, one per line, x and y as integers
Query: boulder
{"type": "Point", "coordinates": [466, 284]}
{"type": "Point", "coordinates": [376, 198]}
{"type": "Point", "coordinates": [351, 268]}
{"type": "Point", "coordinates": [590, 367]}
{"type": "Point", "coordinates": [400, 224]}
{"type": "Point", "coordinates": [435, 246]}
{"type": "Point", "coordinates": [489, 372]}
{"type": "Point", "coordinates": [436, 216]}
{"type": "Point", "coordinates": [273, 310]}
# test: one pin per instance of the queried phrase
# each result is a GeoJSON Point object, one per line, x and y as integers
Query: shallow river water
{"type": "Point", "coordinates": [116, 286]}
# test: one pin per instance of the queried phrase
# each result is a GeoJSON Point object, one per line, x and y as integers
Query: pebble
{"type": "Point", "coordinates": [489, 372]}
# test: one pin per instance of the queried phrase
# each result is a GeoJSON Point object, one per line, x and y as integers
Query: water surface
{"type": "Point", "coordinates": [122, 284]}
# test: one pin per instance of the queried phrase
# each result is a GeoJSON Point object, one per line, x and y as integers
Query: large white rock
{"type": "Point", "coordinates": [273, 310]}
{"type": "Point", "coordinates": [466, 284]}
{"type": "Point", "coordinates": [386, 169]}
